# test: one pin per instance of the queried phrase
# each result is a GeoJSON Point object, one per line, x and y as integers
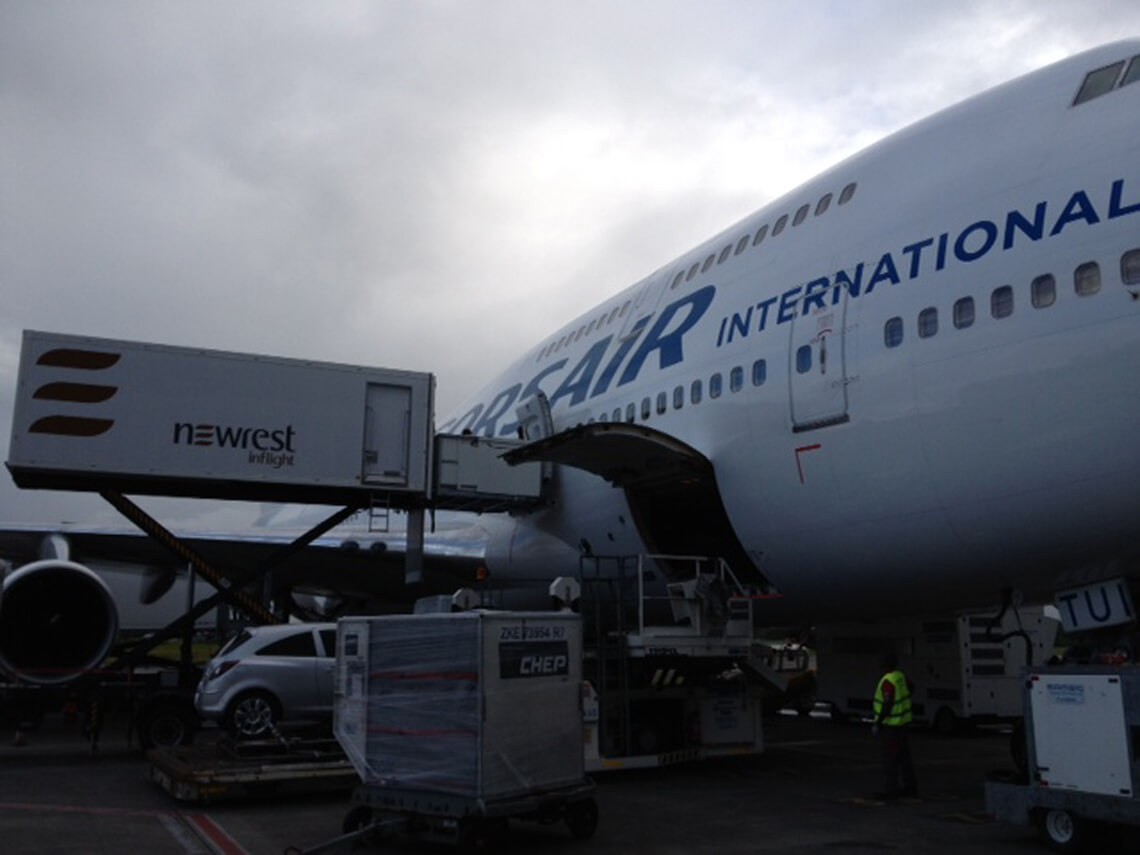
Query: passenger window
{"type": "Point", "coordinates": [646, 404]}
{"type": "Point", "coordinates": [724, 254]}
{"type": "Point", "coordinates": [1001, 302]}
{"type": "Point", "coordinates": [301, 644]}
{"type": "Point", "coordinates": [736, 379]}
{"type": "Point", "coordinates": [708, 263]}
{"type": "Point", "coordinates": [677, 280]}
{"type": "Point", "coordinates": [603, 418]}
{"type": "Point", "coordinates": [803, 359]}
{"type": "Point", "coordinates": [695, 392]}
{"type": "Point", "coordinates": [630, 413]}
{"type": "Point", "coordinates": [1098, 82]}
{"type": "Point", "coordinates": [964, 313]}
{"type": "Point", "coordinates": [662, 402]}
{"type": "Point", "coordinates": [742, 244]}
{"type": "Point", "coordinates": [1130, 267]}
{"type": "Point", "coordinates": [693, 270]}
{"type": "Point", "coordinates": [928, 323]}
{"type": "Point", "coordinates": [759, 372]}
{"type": "Point", "coordinates": [847, 193]}
{"type": "Point", "coordinates": [678, 397]}
{"type": "Point", "coordinates": [760, 235]}
{"type": "Point", "coordinates": [780, 223]}
{"type": "Point", "coordinates": [1086, 279]}
{"type": "Point", "coordinates": [823, 204]}
{"type": "Point", "coordinates": [801, 214]}
{"type": "Point", "coordinates": [893, 332]}
{"type": "Point", "coordinates": [715, 385]}
{"type": "Point", "coordinates": [616, 417]}
{"type": "Point", "coordinates": [1043, 291]}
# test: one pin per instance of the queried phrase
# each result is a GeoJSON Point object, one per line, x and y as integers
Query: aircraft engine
{"type": "Point", "coordinates": [57, 620]}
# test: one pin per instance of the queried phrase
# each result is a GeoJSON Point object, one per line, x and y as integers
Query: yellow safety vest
{"type": "Point", "coordinates": [900, 712]}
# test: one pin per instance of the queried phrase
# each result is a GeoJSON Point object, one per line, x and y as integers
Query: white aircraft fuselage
{"type": "Point", "coordinates": [916, 377]}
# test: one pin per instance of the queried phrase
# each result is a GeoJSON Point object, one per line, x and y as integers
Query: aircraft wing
{"type": "Point", "coordinates": [363, 567]}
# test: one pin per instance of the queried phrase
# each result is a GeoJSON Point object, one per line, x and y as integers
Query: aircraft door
{"type": "Point", "coordinates": [387, 425]}
{"type": "Point", "coordinates": [818, 364]}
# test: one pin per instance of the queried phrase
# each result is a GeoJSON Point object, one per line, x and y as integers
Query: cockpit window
{"type": "Point", "coordinates": [1133, 72]}
{"type": "Point", "coordinates": [1099, 82]}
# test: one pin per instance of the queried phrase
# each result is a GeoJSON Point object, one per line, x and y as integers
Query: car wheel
{"type": "Point", "coordinates": [253, 714]}
{"type": "Point", "coordinates": [582, 818]}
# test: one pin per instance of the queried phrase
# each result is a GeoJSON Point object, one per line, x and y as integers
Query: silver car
{"type": "Point", "coordinates": [270, 674]}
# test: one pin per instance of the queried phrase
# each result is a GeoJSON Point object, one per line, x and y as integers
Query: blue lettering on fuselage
{"type": "Point", "coordinates": [973, 242]}
{"type": "Point", "coordinates": [624, 358]}
{"type": "Point", "coordinates": [665, 339]}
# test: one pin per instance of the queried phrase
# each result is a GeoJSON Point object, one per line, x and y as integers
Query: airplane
{"type": "Point", "coordinates": [908, 385]}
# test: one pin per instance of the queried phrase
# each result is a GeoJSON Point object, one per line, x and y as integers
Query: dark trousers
{"type": "Point", "coordinates": [898, 769]}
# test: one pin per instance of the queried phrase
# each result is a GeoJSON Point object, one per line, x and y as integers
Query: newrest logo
{"type": "Point", "coordinates": [271, 447]}
{"type": "Point", "coordinates": [85, 394]}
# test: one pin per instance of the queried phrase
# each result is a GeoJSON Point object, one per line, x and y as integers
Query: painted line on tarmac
{"type": "Point", "coordinates": [182, 835]}
{"type": "Point", "coordinates": [213, 834]}
{"type": "Point", "coordinates": [209, 833]}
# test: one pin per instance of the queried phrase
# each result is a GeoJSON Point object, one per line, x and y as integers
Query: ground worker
{"type": "Point", "coordinates": [892, 719]}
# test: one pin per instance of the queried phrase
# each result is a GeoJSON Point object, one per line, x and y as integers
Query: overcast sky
{"type": "Point", "coordinates": [431, 185]}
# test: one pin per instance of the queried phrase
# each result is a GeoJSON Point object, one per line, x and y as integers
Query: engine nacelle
{"type": "Point", "coordinates": [57, 620]}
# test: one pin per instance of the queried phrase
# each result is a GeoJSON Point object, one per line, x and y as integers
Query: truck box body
{"type": "Point", "coordinates": [473, 704]}
{"type": "Point", "coordinates": [154, 419]}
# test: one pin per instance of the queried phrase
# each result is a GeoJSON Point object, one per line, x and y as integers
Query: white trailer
{"type": "Point", "coordinates": [964, 668]}
{"type": "Point", "coordinates": [102, 414]}
{"type": "Point", "coordinates": [1082, 728]}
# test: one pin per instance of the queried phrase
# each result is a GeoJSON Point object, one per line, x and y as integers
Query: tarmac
{"type": "Point", "coordinates": [810, 791]}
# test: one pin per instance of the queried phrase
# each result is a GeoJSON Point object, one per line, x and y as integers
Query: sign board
{"type": "Point", "coordinates": [1095, 606]}
{"type": "Point", "coordinates": [97, 414]}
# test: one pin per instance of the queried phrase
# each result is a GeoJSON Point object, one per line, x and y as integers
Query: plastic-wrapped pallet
{"type": "Point", "coordinates": [480, 704]}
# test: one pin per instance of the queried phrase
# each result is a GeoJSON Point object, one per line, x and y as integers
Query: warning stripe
{"type": "Point", "coordinates": [86, 360]}
{"type": "Point", "coordinates": [79, 393]}
{"type": "Point", "coordinates": [213, 834]}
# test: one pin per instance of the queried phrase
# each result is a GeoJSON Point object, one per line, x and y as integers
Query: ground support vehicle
{"type": "Point", "coordinates": [1082, 728]}
{"type": "Point", "coordinates": [966, 668]}
{"type": "Point", "coordinates": [230, 769]}
{"type": "Point", "coordinates": [671, 677]}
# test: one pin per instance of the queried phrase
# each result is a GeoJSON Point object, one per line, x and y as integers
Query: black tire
{"type": "Point", "coordinates": [945, 722]}
{"type": "Point", "coordinates": [356, 819]}
{"type": "Point", "coordinates": [166, 724]}
{"type": "Point", "coordinates": [253, 714]}
{"type": "Point", "coordinates": [1062, 830]}
{"type": "Point", "coordinates": [582, 818]}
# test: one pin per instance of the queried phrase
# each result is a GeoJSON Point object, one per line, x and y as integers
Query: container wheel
{"type": "Point", "coordinates": [1063, 831]}
{"type": "Point", "coordinates": [582, 818]}
{"type": "Point", "coordinates": [357, 818]}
